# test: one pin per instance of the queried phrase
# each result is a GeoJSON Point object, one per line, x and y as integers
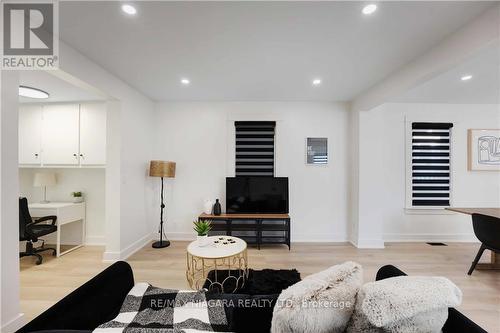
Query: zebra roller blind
{"type": "Point", "coordinates": [431, 164]}
{"type": "Point", "coordinates": [255, 148]}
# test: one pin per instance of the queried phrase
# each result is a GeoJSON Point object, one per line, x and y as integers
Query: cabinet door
{"type": "Point", "coordinates": [93, 134]}
{"type": "Point", "coordinates": [30, 134]}
{"type": "Point", "coordinates": [60, 134]}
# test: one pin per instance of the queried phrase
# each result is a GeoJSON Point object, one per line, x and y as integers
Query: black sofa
{"type": "Point", "coordinates": [99, 300]}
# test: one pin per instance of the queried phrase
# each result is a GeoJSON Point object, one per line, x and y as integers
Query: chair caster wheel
{"type": "Point", "coordinates": [38, 259]}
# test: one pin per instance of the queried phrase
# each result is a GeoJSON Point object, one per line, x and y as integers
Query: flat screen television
{"type": "Point", "coordinates": [264, 195]}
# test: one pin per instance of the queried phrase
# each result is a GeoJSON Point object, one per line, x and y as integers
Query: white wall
{"type": "Point", "coordinates": [383, 180]}
{"type": "Point", "coordinates": [91, 181]}
{"type": "Point", "coordinates": [10, 317]}
{"type": "Point", "coordinates": [199, 136]}
{"type": "Point", "coordinates": [136, 195]}
{"type": "Point", "coordinates": [326, 203]}
{"type": "Point", "coordinates": [353, 146]}
{"type": "Point", "coordinates": [129, 197]}
{"type": "Point", "coordinates": [368, 232]}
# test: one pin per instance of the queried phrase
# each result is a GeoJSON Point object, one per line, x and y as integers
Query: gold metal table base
{"type": "Point", "coordinates": [199, 267]}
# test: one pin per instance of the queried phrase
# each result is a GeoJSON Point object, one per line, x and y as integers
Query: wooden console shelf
{"type": "Point", "coordinates": [253, 228]}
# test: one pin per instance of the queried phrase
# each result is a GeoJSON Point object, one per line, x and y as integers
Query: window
{"type": "Point", "coordinates": [255, 148]}
{"type": "Point", "coordinates": [430, 164]}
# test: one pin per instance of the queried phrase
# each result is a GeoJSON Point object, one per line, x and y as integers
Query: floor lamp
{"type": "Point", "coordinates": [163, 169]}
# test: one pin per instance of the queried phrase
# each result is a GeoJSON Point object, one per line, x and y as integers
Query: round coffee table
{"type": "Point", "coordinates": [221, 253]}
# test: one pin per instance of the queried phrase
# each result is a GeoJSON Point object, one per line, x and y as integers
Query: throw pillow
{"type": "Point", "coordinates": [322, 302]}
{"type": "Point", "coordinates": [404, 304]}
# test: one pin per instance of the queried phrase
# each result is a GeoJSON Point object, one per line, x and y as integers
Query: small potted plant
{"type": "Point", "coordinates": [77, 196]}
{"type": "Point", "coordinates": [202, 228]}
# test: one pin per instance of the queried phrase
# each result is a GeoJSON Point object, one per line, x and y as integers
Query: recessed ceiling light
{"type": "Point", "coordinates": [316, 82]}
{"type": "Point", "coordinates": [369, 9]}
{"type": "Point", "coordinates": [466, 77]}
{"type": "Point", "coordinates": [185, 81]}
{"type": "Point", "coordinates": [32, 92]}
{"type": "Point", "coordinates": [129, 9]}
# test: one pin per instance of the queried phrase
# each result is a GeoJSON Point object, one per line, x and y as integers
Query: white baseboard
{"type": "Point", "coordinates": [135, 246]}
{"type": "Point", "coordinates": [95, 240]}
{"type": "Point", "coordinates": [450, 238]}
{"type": "Point", "coordinates": [318, 238]}
{"type": "Point", "coordinates": [368, 243]}
{"type": "Point", "coordinates": [13, 324]}
{"type": "Point", "coordinates": [110, 256]}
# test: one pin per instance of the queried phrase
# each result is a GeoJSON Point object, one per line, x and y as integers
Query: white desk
{"type": "Point", "coordinates": [66, 212]}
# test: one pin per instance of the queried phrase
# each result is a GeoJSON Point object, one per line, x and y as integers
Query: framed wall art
{"type": "Point", "coordinates": [317, 151]}
{"type": "Point", "coordinates": [484, 149]}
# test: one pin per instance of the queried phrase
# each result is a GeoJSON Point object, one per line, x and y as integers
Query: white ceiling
{"type": "Point", "coordinates": [483, 88]}
{"type": "Point", "coordinates": [58, 89]}
{"type": "Point", "coordinates": [258, 50]}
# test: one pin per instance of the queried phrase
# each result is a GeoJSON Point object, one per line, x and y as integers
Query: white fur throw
{"type": "Point", "coordinates": [321, 303]}
{"type": "Point", "coordinates": [404, 304]}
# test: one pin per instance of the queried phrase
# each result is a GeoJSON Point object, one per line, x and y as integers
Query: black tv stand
{"type": "Point", "coordinates": [255, 229]}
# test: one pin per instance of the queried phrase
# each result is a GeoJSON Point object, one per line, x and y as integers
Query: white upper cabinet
{"type": "Point", "coordinates": [30, 134]}
{"type": "Point", "coordinates": [60, 134]}
{"type": "Point", "coordinates": [92, 134]}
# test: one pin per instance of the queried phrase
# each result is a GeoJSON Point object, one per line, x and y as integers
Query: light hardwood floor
{"type": "Point", "coordinates": [42, 286]}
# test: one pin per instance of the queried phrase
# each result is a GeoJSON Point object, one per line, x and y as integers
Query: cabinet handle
{"type": "Point", "coordinates": [36, 155]}
{"type": "Point", "coordinates": [81, 155]}
{"type": "Point", "coordinates": [75, 155]}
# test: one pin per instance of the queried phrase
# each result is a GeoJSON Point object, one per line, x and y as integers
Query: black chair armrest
{"type": "Point", "coordinates": [388, 271]}
{"type": "Point", "coordinates": [92, 304]}
{"type": "Point", "coordinates": [457, 322]}
{"type": "Point", "coordinates": [52, 218]}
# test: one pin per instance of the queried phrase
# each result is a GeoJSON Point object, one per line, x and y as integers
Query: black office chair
{"type": "Point", "coordinates": [30, 231]}
{"type": "Point", "coordinates": [487, 230]}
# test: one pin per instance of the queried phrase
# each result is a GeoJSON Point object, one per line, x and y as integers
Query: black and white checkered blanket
{"type": "Point", "coordinates": [148, 309]}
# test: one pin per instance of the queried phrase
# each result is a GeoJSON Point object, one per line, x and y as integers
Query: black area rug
{"type": "Point", "coordinates": [259, 282]}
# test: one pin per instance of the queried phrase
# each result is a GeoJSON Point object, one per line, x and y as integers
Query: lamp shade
{"type": "Point", "coordinates": [162, 169]}
{"type": "Point", "coordinates": [44, 179]}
